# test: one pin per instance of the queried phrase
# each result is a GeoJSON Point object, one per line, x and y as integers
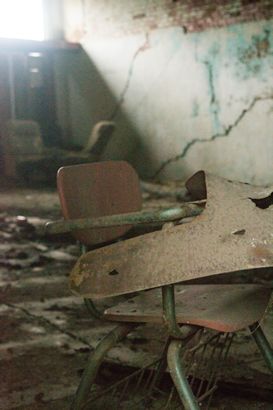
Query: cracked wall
{"type": "Point", "coordinates": [183, 100]}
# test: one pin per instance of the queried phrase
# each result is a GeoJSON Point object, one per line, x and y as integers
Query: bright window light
{"type": "Point", "coordinates": [22, 19]}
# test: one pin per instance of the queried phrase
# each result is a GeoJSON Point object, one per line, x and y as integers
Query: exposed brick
{"type": "Point", "coordinates": [121, 17]}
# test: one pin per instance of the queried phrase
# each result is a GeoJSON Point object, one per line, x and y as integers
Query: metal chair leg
{"type": "Point", "coordinates": [179, 378]}
{"type": "Point", "coordinates": [94, 362]}
{"type": "Point", "coordinates": [94, 312]}
{"type": "Point", "coordinates": [263, 344]}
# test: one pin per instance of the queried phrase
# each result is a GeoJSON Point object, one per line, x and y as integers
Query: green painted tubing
{"type": "Point", "coordinates": [169, 315]}
{"type": "Point", "coordinates": [132, 218]}
{"type": "Point", "coordinates": [184, 332]}
{"type": "Point", "coordinates": [94, 362]}
{"type": "Point", "coordinates": [179, 377]}
{"type": "Point", "coordinates": [263, 344]}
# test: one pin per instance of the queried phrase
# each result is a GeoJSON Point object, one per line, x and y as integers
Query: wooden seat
{"type": "Point", "coordinates": [226, 308]}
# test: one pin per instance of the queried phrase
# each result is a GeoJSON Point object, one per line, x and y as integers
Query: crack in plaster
{"type": "Point", "coordinates": [120, 101]}
{"type": "Point", "coordinates": [222, 134]}
{"type": "Point", "coordinates": [45, 321]}
{"type": "Point", "coordinates": [214, 106]}
{"type": "Point", "coordinates": [209, 67]}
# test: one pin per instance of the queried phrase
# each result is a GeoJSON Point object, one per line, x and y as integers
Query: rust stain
{"type": "Point", "coordinates": [231, 235]}
{"type": "Point", "coordinates": [258, 49]}
{"type": "Point", "coordinates": [79, 276]}
{"type": "Point", "coordinates": [261, 253]}
{"type": "Point", "coordinates": [262, 47]}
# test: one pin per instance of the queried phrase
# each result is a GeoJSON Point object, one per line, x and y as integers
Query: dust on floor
{"type": "Point", "coordinates": [47, 334]}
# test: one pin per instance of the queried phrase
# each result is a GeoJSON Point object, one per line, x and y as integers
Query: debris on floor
{"type": "Point", "coordinates": [47, 333]}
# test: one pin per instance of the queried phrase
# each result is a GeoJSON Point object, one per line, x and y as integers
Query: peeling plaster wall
{"type": "Point", "coordinates": [182, 99]}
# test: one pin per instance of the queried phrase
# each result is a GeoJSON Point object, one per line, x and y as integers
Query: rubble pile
{"type": "Point", "coordinates": [21, 245]}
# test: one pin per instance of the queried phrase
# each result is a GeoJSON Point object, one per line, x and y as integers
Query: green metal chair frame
{"type": "Point", "coordinates": [178, 336]}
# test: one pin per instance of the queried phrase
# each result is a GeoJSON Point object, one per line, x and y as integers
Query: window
{"type": "Point", "coordinates": [22, 19]}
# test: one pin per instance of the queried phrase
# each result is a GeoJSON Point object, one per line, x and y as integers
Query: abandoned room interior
{"type": "Point", "coordinates": [136, 204]}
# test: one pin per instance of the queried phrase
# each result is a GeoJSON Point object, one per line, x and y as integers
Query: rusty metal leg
{"type": "Point", "coordinates": [95, 360]}
{"type": "Point", "coordinates": [263, 344]}
{"type": "Point", "coordinates": [179, 378]}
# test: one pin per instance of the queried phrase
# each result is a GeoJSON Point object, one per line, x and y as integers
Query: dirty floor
{"type": "Point", "coordinates": [47, 334]}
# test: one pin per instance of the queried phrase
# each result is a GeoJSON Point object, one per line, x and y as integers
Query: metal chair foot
{"type": "Point", "coordinates": [178, 375]}
{"type": "Point", "coordinates": [263, 344]}
{"type": "Point", "coordinates": [94, 361]}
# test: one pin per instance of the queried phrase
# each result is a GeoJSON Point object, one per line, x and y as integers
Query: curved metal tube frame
{"type": "Point", "coordinates": [263, 344]}
{"type": "Point", "coordinates": [94, 361]}
{"type": "Point", "coordinates": [133, 218]}
{"type": "Point", "coordinates": [179, 378]}
{"type": "Point", "coordinates": [169, 316]}
{"type": "Point", "coordinates": [179, 336]}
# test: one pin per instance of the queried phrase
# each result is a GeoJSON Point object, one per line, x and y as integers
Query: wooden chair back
{"type": "Point", "coordinates": [98, 189]}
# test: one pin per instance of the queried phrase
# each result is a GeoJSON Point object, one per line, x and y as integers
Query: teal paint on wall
{"type": "Point", "coordinates": [252, 55]}
{"type": "Point", "coordinates": [185, 101]}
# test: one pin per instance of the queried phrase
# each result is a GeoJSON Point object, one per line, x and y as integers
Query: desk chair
{"type": "Point", "coordinates": [25, 153]}
{"type": "Point", "coordinates": [100, 202]}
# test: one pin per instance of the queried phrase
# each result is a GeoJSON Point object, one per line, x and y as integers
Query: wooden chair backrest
{"type": "Point", "coordinates": [98, 189]}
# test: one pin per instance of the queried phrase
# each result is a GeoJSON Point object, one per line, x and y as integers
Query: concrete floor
{"type": "Point", "coordinates": [47, 334]}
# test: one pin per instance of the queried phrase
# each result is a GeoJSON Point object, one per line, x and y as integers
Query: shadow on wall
{"type": "Point", "coordinates": [83, 99]}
